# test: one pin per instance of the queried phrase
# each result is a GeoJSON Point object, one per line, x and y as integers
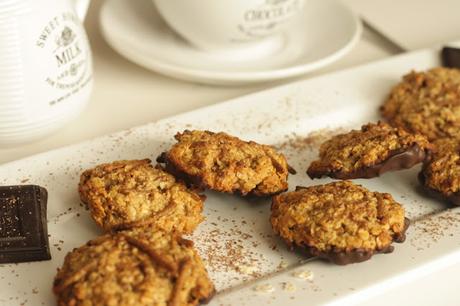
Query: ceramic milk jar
{"type": "Point", "coordinates": [45, 67]}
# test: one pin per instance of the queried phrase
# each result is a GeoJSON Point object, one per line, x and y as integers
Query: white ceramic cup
{"type": "Point", "coordinates": [45, 67]}
{"type": "Point", "coordinates": [223, 25]}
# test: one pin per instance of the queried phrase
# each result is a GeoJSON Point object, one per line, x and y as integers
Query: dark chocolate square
{"type": "Point", "coordinates": [23, 226]}
{"type": "Point", "coordinates": [450, 57]}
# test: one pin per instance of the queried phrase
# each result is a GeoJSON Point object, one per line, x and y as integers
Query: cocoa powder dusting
{"type": "Point", "coordinates": [429, 229]}
{"type": "Point", "coordinates": [230, 251]}
{"type": "Point", "coordinates": [310, 142]}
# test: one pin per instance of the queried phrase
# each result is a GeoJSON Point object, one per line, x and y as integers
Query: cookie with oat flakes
{"type": "Point", "coordinates": [369, 152]}
{"type": "Point", "coordinates": [131, 193]}
{"type": "Point", "coordinates": [226, 163]}
{"type": "Point", "coordinates": [141, 266]}
{"type": "Point", "coordinates": [440, 175]}
{"type": "Point", "coordinates": [340, 221]}
{"type": "Point", "coordinates": [427, 103]}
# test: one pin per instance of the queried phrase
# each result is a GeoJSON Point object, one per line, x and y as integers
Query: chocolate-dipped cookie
{"type": "Point", "coordinates": [126, 194]}
{"type": "Point", "coordinates": [369, 152]}
{"type": "Point", "coordinates": [142, 266]}
{"type": "Point", "coordinates": [226, 163]}
{"type": "Point", "coordinates": [440, 175]}
{"type": "Point", "coordinates": [340, 221]}
{"type": "Point", "coordinates": [427, 103]}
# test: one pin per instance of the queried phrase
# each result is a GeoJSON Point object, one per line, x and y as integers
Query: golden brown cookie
{"type": "Point", "coordinates": [427, 103]}
{"type": "Point", "coordinates": [131, 193]}
{"type": "Point", "coordinates": [339, 221]}
{"type": "Point", "coordinates": [369, 152]}
{"type": "Point", "coordinates": [137, 267]}
{"type": "Point", "coordinates": [440, 175]}
{"type": "Point", "coordinates": [225, 163]}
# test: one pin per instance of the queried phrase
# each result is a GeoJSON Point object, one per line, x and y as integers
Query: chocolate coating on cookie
{"type": "Point", "coordinates": [226, 163]}
{"type": "Point", "coordinates": [340, 221]}
{"type": "Point", "coordinates": [452, 198]}
{"type": "Point", "coordinates": [427, 103]}
{"type": "Point", "coordinates": [341, 257]}
{"type": "Point", "coordinates": [369, 152]}
{"type": "Point", "coordinates": [143, 266]}
{"type": "Point", "coordinates": [126, 194]}
{"type": "Point", "coordinates": [440, 175]}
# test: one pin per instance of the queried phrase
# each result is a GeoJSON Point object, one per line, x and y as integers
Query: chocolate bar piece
{"type": "Point", "coordinates": [450, 57]}
{"type": "Point", "coordinates": [23, 227]}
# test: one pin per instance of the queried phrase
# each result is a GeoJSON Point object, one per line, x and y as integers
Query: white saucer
{"type": "Point", "coordinates": [326, 32]}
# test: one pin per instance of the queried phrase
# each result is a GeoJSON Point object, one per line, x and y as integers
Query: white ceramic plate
{"type": "Point", "coordinates": [326, 32]}
{"type": "Point", "coordinates": [236, 240]}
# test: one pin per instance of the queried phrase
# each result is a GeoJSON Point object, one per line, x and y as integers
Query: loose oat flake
{"type": "Point", "coordinates": [245, 269]}
{"type": "Point", "coordinates": [289, 287]}
{"type": "Point", "coordinates": [305, 274]}
{"type": "Point", "coordinates": [264, 288]}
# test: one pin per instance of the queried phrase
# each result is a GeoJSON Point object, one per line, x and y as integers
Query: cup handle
{"type": "Point", "coordinates": [81, 7]}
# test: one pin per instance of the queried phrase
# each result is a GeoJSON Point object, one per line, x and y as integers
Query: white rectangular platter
{"type": "Point", "coordinates": [236, 240]}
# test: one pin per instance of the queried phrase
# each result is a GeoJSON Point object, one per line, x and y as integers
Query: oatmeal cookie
{"type": "Point", "coordinates": [141, 266]}
{"type": "Point", "coordinates": [440, 175]}
{"type": "Point", "coordinates": [427, 103]}
{"type": "Point", "coordinates": [225, 163]}
{"type": "Point", "coordinates": [369, 152]}
{"type": "Point", "coordinates": [339, 221]}
{"type": "Point", "coordinates": [131, 193]}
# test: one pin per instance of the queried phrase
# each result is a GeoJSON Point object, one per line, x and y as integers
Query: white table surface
{"type": "Point", "coordinates": [126, 95]}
